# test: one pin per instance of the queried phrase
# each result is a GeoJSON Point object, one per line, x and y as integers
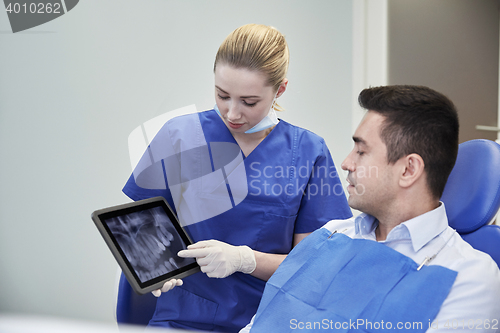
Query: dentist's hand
{"type": "Point", "coordinates": [218, 259]}
{"type": "Point", "coordinates": [169, 285]}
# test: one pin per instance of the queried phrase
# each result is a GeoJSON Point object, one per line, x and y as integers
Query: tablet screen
{"type": "Point", "coordinates": [147, 237]}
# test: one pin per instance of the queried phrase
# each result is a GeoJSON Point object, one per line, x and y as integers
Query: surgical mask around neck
{"type": "Point", "coordinates": [268, 121]}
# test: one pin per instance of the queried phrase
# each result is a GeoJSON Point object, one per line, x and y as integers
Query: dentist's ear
{"type": "Point", "coordinates": [282, 87]}
{"type": "Point", "coordinates": [412, 170]}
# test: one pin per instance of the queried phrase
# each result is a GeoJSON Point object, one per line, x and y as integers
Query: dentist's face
{"type": "Point", "coordinates": [242, 96]}
{"type": "Point", "coordinates": [372, 180]}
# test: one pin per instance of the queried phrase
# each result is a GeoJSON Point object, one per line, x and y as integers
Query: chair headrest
{"type": "Point", "coordinates": [472, 193]}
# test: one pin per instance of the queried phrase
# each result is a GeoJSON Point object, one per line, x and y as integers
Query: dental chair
{"type": "Point", "coordinates": [472, 195]}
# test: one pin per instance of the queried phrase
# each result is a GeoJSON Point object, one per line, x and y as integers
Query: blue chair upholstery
{"type": "Point", "coordinates": [472, 195]}
{"type": "Point", "coordinates": [132, 308]}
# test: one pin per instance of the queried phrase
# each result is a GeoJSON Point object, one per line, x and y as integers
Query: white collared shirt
{"type": "Point", "coordinates": [473, 303]}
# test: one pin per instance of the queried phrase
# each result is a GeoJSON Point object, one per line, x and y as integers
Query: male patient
{"type": "Point", "coordinates": [397, 266]}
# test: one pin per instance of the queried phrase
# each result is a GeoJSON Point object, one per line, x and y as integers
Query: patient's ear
{"type": "Point", "coordinates": [413, 170]}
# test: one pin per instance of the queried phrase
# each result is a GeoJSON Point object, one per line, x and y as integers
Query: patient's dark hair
{"type": "Point", "coordinates": [417, 120]}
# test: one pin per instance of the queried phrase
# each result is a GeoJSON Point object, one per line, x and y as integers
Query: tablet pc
{"type": "Point", "coordinates": [144, 237]}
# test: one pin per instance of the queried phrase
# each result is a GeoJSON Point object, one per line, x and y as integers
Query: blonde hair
{"type": "Point", "coordinates": [259, 48]}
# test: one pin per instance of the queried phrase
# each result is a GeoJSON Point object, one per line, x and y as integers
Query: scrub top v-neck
{"type": "Point", "coordinates": [288, 184]}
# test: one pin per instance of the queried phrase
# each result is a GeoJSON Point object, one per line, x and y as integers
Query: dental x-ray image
{"type": "Point", "coordinates": [150, 242]}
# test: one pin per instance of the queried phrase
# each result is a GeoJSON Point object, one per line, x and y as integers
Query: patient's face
{"type": "Point", "coordinates": [372, 181]}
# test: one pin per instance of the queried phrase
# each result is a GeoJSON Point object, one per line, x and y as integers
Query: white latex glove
{"type": "Point", "coordinates": [169, 285]}
{"type": "Point", "coordinates": [218, 259]}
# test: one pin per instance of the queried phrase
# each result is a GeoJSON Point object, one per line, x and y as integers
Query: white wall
{"type": "Point", "coordinates": [451, 46]}
{"type": "Point", "coordinates": [73, 89]}
{"type": "Point", "coordinates": [369, 50]}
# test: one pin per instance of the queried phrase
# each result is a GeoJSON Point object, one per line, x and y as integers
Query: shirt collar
{"type": "Point", "coordinates": [365, 225]}
{"type": "Point", "coordinates": [421, 229]}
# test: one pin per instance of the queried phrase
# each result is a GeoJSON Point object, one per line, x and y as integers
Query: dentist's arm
{"type": "Point", "coordinates": [267, 263]}
{"type": "Point", "coordinates": [219, 260]}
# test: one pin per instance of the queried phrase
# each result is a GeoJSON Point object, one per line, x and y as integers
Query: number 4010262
{"type": "Point", "coordinates": [34, 8]}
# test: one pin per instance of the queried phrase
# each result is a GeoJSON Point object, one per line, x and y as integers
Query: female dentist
{"type": "Point", "coordinates": [245, 210]}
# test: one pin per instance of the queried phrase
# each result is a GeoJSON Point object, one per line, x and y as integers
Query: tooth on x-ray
{"type": "Point", "coordinates": [148, 242]}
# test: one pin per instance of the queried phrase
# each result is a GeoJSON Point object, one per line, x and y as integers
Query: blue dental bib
{"type": "Point", "coordinates": [350, 285]}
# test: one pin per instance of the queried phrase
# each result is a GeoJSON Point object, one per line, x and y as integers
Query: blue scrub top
{"type": "Point", "coordinates": [293, 187]}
